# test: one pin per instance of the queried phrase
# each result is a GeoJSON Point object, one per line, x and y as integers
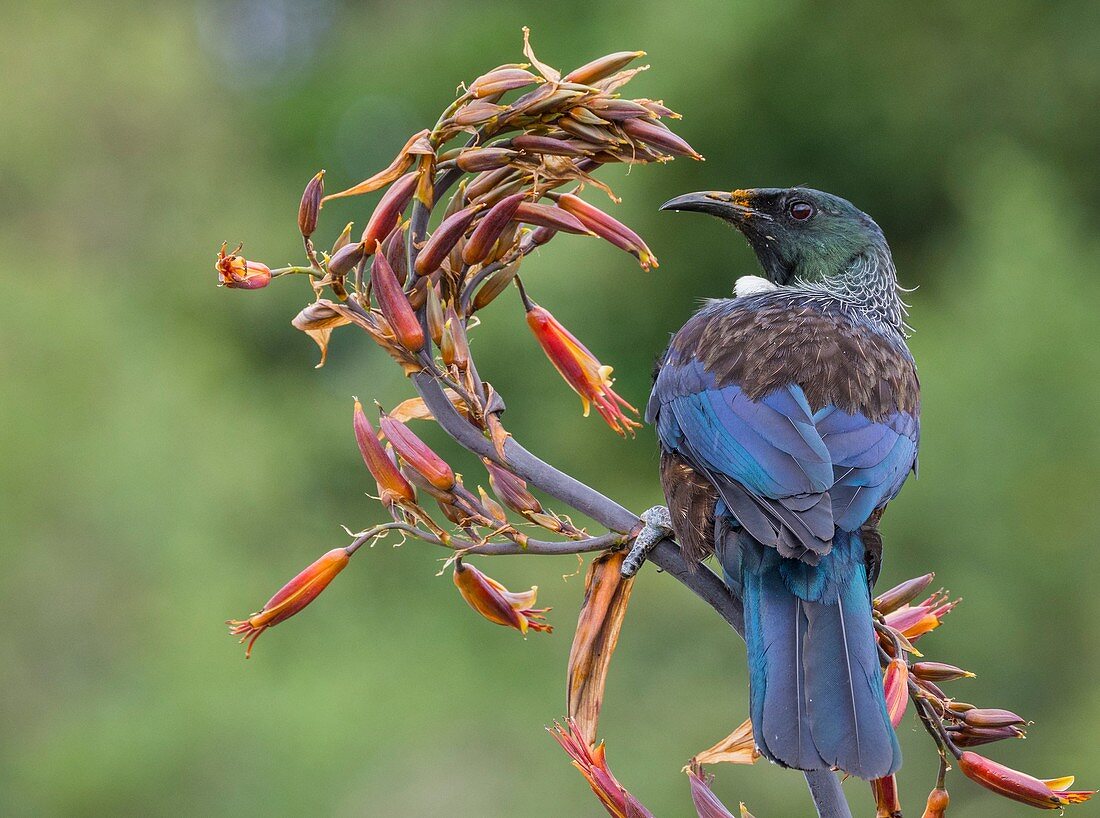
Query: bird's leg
{"type": "Point", "coordinates": [658, 525]}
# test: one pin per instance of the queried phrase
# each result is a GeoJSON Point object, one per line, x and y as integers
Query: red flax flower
{"type": "Point", "coordinates": [238, 273]}
{"type": "Point", "coordinates": [585, 375]}
{"type": "Point", "coordinates": [291, 598]}
{"type": "Point", "coordinates": [913, 621]}
{"type": "Point", "coordinates": [593, 766]}
{"type": "Point", "coordinates": [887, 804]}
{"type": "Point", "coordinates": [1049, 794]}
{"type": "Point", "coordinates": [497, 604]}
{"type": "Point", "coordinates": [895, 685]}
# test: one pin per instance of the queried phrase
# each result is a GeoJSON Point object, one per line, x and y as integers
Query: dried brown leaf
{"type": "Point", "coordinates": [417, 145]}
{"type": "Point", "coordinates": [606, 594]}
{"type": "Point", "coordinates": [738, 747]}
{"type": "Point", "coordinates": [415, 408]}
{"type": "Point", "coordinates": [318, 320]}
{"type": "Point", "coordinates": [551, 74]}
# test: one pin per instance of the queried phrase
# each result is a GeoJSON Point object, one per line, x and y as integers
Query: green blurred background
{"type": "Point", "coordinates": [171, 457]}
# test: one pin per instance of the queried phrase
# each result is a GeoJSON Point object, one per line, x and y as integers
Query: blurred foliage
{"type": "Point", "coordinates": [170, 457]}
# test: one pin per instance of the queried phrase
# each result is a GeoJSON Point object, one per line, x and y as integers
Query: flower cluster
{"type": "Point", "coordinates": [500, 174]}
{"type": "Point", "coordinates": [953, 724]}
{"type": "Point", "coordinates": [503, 167]}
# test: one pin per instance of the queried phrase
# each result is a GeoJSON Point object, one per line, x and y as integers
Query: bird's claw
{"type": "Point", "coordinates": [658, 525]}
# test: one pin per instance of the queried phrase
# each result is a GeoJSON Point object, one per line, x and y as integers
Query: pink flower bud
{"type": "Point", "coordinates": [895, 685]}
{"type": "Point", "coordinates": [311, 204]}
{"type": "Point", "coordinates": [417, 454]}
{"type": "Point", "coordinates": [392, 485]}
{"type": "Point", "coordinates": [602, 67]}
{"type": "Point", "coordinates": [555, 218]}
{"type": "Point", "coordinates": [490, 227]}
{"type": "Point", "coordinates": [389, 210]}
{"type": "Point", "coordinates": [395, 305]}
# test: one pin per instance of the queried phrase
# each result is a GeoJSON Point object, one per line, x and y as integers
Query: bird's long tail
{"type": "Point", "coordinates": [816, 696]}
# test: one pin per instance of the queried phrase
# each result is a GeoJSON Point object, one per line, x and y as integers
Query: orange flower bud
{"type": "Point", "coordinates": [592, 763]}
{"type": "Point", "coordinates": [389, 210]}
{"type": "Point", "coordinates": [291, 598]}
{"type": "Point", "coordinates": [938, 801]}
{"type": "Point", "coordinates": [236, 272]}
{"type": "Point", "coordinates": [916, 620]}
{"type": "Point", "coordinates": [608, 228]}
{"type": "Point", "coordinates": [416, 453]}
{"type": "Point", "coordinates": [311, 204]}
{"type": "Point", "coordinates": [392, 484]}
{"type": "Point", "coordinates": [585, 375]}
{"type": "Point", "coordinates": [478, 113]}
{"type": "Point", "coordinates": [1049, 794]}
{"type": "Point", "coordinates": [496, 603]}
{"type": "Point", "coordinates": [895, 685]}
{"type": "Point", "coordinates": [395, 306]}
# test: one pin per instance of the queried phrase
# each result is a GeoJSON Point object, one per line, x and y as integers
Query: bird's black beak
{"type": "Point", "coordinates": [735, 207]}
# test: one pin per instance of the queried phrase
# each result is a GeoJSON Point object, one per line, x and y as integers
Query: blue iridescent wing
{"type": "Point", "coordinates": [765, 457]}
{"type": "Point", "coordinates": [788, 475]}
{"type": "Point", "coordinates": [870, 459]}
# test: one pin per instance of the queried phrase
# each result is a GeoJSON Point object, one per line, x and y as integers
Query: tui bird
{"type": "Point", "coordinates": [788, 419]}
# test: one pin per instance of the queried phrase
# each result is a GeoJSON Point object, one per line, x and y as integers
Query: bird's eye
{"type": "Point", "coordinates": [800, 211]}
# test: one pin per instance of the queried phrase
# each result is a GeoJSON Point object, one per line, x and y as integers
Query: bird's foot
{"type": "Point", "coordinates": [658, 525]}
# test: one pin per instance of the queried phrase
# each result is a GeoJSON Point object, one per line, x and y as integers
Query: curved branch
{"type": "Point", "coordinates": [583, 498]}
{"type": "Point", "coordinates": [552, 548]}
{"type": "Point", "coordinates": [824, 785]}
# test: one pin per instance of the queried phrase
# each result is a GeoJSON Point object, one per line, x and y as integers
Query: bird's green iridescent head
{"type": "Point", "coordinates": [797, 233]}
